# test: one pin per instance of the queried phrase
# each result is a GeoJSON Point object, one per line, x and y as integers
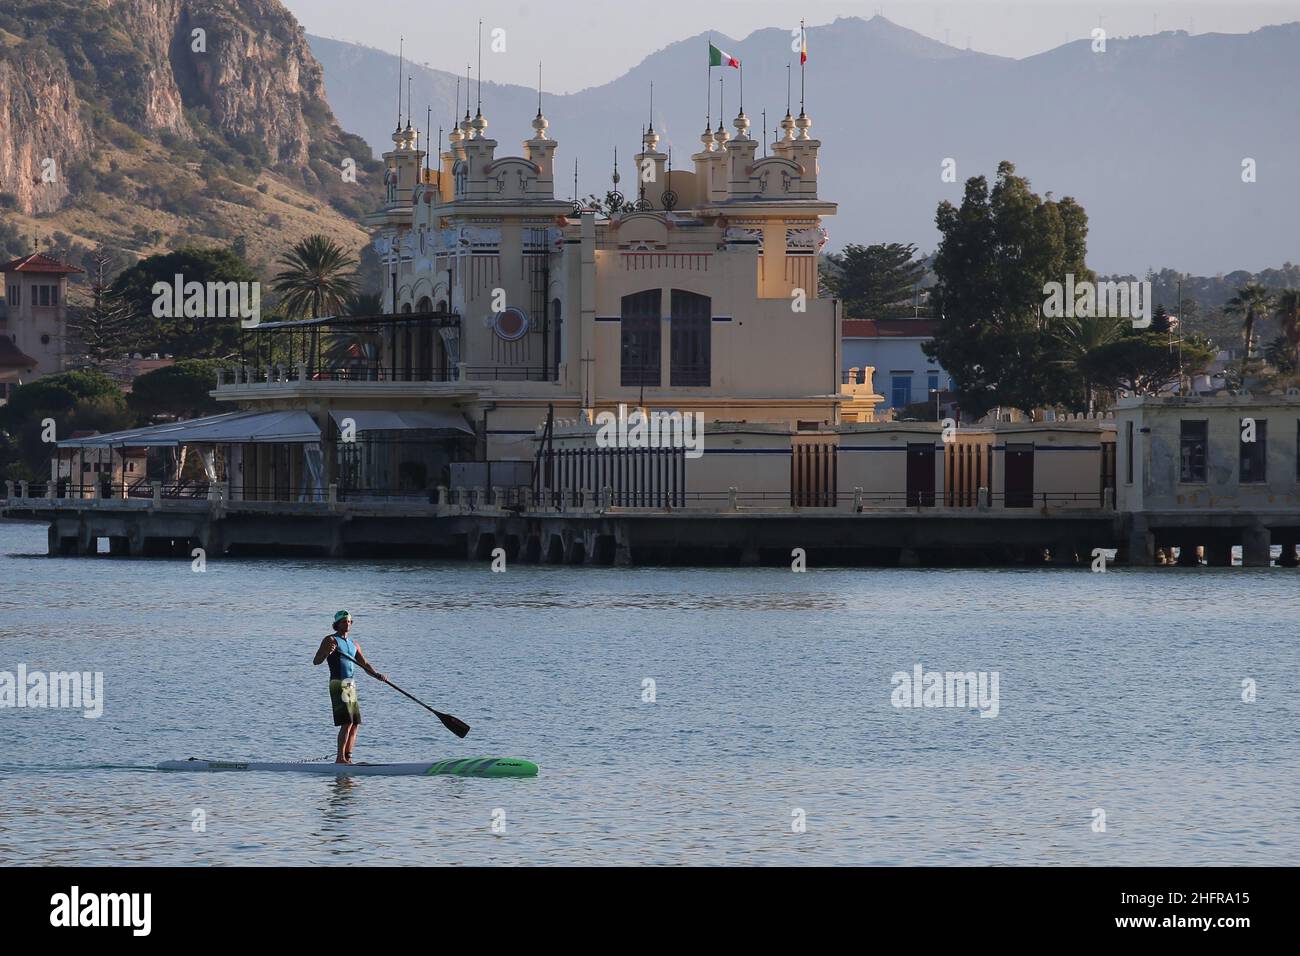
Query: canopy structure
{"type": "Point", "coordinates": [231, 428]}
{"type": "Point", "coordinates": [370, 419]}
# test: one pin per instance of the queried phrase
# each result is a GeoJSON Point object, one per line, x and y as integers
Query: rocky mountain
{"type": "Point", "coordinates": [142, 124]}
{"type": "Point", "coordinates": [1150, 135]}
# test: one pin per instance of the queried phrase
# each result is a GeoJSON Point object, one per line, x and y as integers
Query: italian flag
{"type": "Point", "coordinates": [803, 46]}
{"type": "Point", "coordinates": [718, 58]}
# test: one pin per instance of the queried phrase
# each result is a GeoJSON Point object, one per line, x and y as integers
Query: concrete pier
{"type": "Point", "coordinates": [596, 535]}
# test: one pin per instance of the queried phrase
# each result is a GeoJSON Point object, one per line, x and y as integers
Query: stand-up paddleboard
{"type": "Point", "coordinates": [464, 767]}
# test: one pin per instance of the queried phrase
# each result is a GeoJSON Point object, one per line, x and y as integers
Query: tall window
{"type": "Point", "coordinates": [1253, 455]}
{"type": "Point", "coordinates": [557, 336]}
{"type": "Point", "coordinates": [640, 338]}
{"type": "Point", "coordinates": [901, 394]}
{"type": "Point", "coordinates": [1128, 453]}
{"type": "Point", "coordinates": [42, 295]}
{"type": "Point", "coordinates": [932, 382]}
{"type": "Point", "coordinates": [692, 327]}
{"type": "Point", "coordinates": [1192, 441]}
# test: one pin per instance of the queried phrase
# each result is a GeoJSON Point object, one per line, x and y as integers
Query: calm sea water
{"type": "Point", "coordinates": [1119, 691]}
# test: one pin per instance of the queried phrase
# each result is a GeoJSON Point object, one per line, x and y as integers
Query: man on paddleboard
{"type": "Point", "coordinates": [343, 689]}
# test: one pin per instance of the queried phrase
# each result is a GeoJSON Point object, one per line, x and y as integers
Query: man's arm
{"type": "Point", "coordinates": [365, 664]}
{"type": "Point", "coordinates": [327, 647]}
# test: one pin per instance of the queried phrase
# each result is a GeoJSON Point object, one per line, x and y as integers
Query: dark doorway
{"type": "Point", "coordinates": [920, 475]}
{"type": "Point", "coordinates": [1019, 487]}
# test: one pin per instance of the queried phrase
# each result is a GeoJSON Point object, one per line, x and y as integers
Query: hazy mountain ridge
{"type": "Point", "coordinates": [1149, 135]}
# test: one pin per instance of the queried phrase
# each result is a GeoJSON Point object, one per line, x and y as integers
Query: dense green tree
{"type": "Point", "coordinates": [80, 400]}
{"type": "Point", "coordinates": [191, 337]}
{"type": "Point", "coordinates": [874, 282]}
{"type": "Point", "coordinates": [1143, 362]}
{"type": "Point", "coordinates": [177, 391]}
{"type": "Point", "coordinates": [999, 249]}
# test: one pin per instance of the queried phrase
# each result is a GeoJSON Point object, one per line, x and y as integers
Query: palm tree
{"type": "Point", "coordinates": [1252, 303]}
{"type": "Point", "coordinates": [356, 349]}
{"type": "Point", "coordinates": [1286, 309]}
{"type": "Point", "coordinates": [1076, 337]}
{"type": "Point", "coordinates": [1280, 354]}
{"type": "Point", "coordinates": [319, 279]}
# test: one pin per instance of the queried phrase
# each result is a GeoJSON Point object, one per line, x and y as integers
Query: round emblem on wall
{"type": "Point", "coordinates": [510, 325]}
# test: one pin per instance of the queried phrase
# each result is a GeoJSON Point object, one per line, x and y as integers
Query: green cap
{"type": "Point", "coordinates": [342, 615]}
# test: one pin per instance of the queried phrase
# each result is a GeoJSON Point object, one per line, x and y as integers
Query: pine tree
{"type": "Point", "coordinates": [104, 328]}
{"type": "Point", "coordinates": [875, 282]}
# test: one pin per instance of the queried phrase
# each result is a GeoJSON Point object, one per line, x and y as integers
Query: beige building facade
{"type": "Point", "coordinates": [506, 305]}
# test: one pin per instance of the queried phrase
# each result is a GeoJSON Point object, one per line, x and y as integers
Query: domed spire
{"type": "Point", "coordinates": [720, 136]}
{"type": "Point", "coordinates": [707, 139]}
{"type": "Point", "coordinates": [787, 125]}
{"type": "Point", "coordinates": [479, 124]}
{"type": "Point", "coordinates": [539, 121]}
{"type": "Point", "coordinates": [741, 122]}
{"type": "Point", "coordinates": [803, 123]}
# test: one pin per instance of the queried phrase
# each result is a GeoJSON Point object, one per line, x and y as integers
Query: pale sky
{"type": "Point", "coordinates": [590, 42]}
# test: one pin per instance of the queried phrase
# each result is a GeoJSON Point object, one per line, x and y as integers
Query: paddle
{"type": "Point", "coordinates": [454, 724]}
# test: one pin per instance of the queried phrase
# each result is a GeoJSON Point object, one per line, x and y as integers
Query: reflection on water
{"type": "Point", "coordinates": [1119, 691]}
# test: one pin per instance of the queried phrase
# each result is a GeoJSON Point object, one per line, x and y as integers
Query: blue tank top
{"type": "Point", "coordinates": [340, 667]}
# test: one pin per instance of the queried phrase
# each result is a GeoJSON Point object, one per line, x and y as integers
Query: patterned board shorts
{"type": "Point", "coordinates": [343, 700]}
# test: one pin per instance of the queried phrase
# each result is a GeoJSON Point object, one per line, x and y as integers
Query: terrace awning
{"type": "Point", "coordinates": [231, 428]}
{"type": "Point", "coordinates": [370, 419]}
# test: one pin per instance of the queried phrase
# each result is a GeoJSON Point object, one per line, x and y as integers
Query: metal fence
{"type": "Point", "coordinates": [525, 498]}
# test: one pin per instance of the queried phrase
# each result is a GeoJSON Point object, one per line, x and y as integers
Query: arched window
{"type": "Point", "coordinates": [424, 349]}
{"type": "Point", "coordinates": [692, 330]}
{"type": "Point", "coordinates": [640, 338]}
{"type": "Point", "coordinates": [444, 363]}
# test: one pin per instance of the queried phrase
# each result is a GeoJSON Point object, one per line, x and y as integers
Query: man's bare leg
{"type": "Point", "coordinates": [344, 747]}
{"type": "Point", "coordinates": [351, 742]}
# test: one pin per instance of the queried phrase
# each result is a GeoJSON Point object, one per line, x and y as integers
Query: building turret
{"type": "Point", "coordinates": [803, 150]}
{"type": "Point", "coordinates": [403, 164]}
{"type": "Point", "coordinates": [651, 168]}
{"type": "Point", "coordinates": [740, 156]}
{"type": "Point", "coordinates": [541, 150]}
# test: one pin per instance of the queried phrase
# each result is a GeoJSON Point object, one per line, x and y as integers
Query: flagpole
{"type": "Point", "coordinates": [803, 42]}
{"type": "Point", "coordinates": [708, 111]}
